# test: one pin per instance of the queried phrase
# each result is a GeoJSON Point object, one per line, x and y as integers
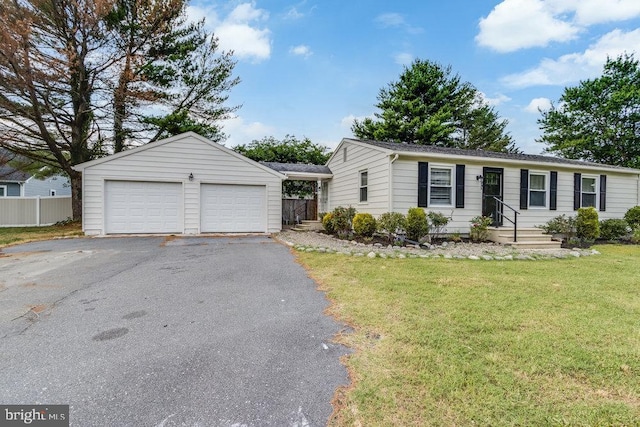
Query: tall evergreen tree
{"type": "Point", "coordinates": [170, 65]}
{"type": "Point", "coordinates": [430, 105]}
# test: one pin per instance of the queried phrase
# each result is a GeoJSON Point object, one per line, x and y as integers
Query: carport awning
{"type": "Point", "coordinates": [301, 171]}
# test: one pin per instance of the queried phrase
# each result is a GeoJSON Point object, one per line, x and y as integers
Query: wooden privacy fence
{"type": "Point", "coordinates": [295, 210]}
{"type": "Point", "coordinates": [29, 211]}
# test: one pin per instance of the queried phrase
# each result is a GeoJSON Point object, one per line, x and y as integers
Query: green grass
{"type": "Point", "coordinates": [15, 235]}
{"type": "Point", "coordinates": [457, 342]}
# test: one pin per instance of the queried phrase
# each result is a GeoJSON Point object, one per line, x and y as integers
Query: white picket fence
{"type": "Point", "coordinates": [34, 211]}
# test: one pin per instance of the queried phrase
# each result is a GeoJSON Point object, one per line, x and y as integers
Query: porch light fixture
{"type": "Point", "coordinates": [479, 177]}
{"type": "Point", "coordinates": [191, 176]}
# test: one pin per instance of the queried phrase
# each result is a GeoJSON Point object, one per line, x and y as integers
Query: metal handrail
{"type": "Point", "coordinates": [502, 216]}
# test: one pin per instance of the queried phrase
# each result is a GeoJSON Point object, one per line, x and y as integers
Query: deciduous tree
{"type": "Point", "coordinates": [288, 150]}
{"type": "Point", "coordinates": [598, 120]}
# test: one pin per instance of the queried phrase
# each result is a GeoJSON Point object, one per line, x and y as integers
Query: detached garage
{"type": "Point", "coordinates": [185, 184]}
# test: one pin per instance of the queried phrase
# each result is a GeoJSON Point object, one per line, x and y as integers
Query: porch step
{"type": "Point", "coordinates": [308, 225]}
{"type": "Point", "coordinates": [528, 238]}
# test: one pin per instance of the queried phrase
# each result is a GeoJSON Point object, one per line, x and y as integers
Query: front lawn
{"type": "Point", "coordinates": [460, 342]}
{"type": "Point", "coordinates": [15, 235]}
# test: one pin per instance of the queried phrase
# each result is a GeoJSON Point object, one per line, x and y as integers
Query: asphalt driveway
{"type": "Point", "coordinates": [156, 331]}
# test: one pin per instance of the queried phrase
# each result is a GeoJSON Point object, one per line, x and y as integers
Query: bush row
{"type": "Point", "coordinates": [417, 225]}
{"type": "Point", "coordinates": [584, 228]}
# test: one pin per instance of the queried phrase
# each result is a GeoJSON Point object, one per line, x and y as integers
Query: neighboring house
{"type": "Point", "coordinates": [378, 177]}
{"type": "Point", "coordinates": [12, 181]}
{"type": "Point", "coordinates": [15, 183]}
{"type": "Point", "coordinates": [56, 185]}
{"type": "Point", "coordinates": [185, 184]}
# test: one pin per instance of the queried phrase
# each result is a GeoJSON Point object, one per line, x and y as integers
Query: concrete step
{"type": "Point", "coordinates": [308, 225]}
{"type": "Point", "coordinates": [528, 238]}
{"type": "Point", "coordinates": [524, 236]}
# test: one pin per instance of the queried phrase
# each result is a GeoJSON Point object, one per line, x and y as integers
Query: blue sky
{"type": "Point", "coordinates": [309, 68]}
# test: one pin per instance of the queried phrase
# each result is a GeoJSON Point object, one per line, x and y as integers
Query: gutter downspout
{"type": "Point", "coordinates": [391, 161]}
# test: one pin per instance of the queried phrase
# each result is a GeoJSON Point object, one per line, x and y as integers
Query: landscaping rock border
{"type": "Point", "coordinates": [324, 243]}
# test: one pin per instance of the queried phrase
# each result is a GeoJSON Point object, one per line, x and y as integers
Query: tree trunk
{"type": "Point", "coordinates": [76, 195]}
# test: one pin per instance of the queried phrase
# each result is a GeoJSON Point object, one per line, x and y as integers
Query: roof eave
{"type": "Point", "coordinates": [306, 176]}
{"type": "Point", "coordinates": [517, 161]}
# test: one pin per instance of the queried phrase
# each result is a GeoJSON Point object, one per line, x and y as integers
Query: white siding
{"type": "Point", "coordinates": [344, 188]}
{"type": "Point", "coordinates": [173, 162]}
{"type": "Point", "coordinates": [405, 192]}
{"type": "Point", "coordinates": [622, 192]}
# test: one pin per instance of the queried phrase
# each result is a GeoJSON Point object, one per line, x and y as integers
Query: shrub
{"type": "Point", "coordinates": [342, 218]}
{"type": "Point", "coordinates": [587, 225]}
{"type": "Point", "coordinates": [613, 229]}
{"type": "Point", "coordinates": [327, 223]}
{"type": "Point", "coordinates": [417, 224]}
{"type": "Point", "coordinates": [437, 223]}
{"type": "Point", "coordinates": [480, 228]}
{"type": "Point", "coordinates": [633, 217]}
{"type": "Point", "coordinates": [390, 223]}
{"type": "Point", "coordinates": [635, 236]}
{"type": "Point", "coordinates": [565, 225]}
{"type": "Point", "coordinates": [364, 224]}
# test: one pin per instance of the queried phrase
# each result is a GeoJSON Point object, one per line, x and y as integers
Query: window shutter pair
{"type": "Point", "coordinates": [423, 185]}
{"type": "Point", "coordinates": [524, 190]}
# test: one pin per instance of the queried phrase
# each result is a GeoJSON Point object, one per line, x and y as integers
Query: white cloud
{"type": "Point", "coordinates": [495, 101]}
{"type": "Point", "coordinates": [590, 12]}
{"type": "Point", "coordinates": [293, 14]}
{"type": "Point", "coordinates": [390, 20]}
{"type": "Point", "coordinates": [197, 13]}
{"type": "Point", "coordinates": [403, 58]}
{"type": "Point", "coordinates": [347, 121]}
{"type": "Point", "coordinates": [577, 66]}
{"type": "Point", "coordinates": [239, 31]}
{"type": "Point", "coordinates": [301, 50]}
{"type": "Point", "coordinates": [396, 20]}
{"type": "Point", "coordinates": [538, 104]}
{"type": "Point", "coordinates": [241, 132]}
{"type": "Point", "coordinates": [518, 24]}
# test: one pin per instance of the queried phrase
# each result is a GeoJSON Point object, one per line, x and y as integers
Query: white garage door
{"type": "Point", "coordinates": [232, 208]}
{"type": "Point", "coordinates": [143, 207]}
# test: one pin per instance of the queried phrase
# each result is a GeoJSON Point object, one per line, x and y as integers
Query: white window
{"type": "Point", "coordinates": [52, 192]}
{"type": "Point", "coordinates": [537, 190]}
{"type": "Point", "coordinates": [589, 192]}
{"type": "Point", "coordinates": [364, 186]}
{"type": "Point", "coordinates": [3, 191]}
{"type": "Point", "coordinates": [440, 185]}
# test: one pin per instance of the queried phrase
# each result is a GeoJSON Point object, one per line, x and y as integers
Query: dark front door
{"type": "Point", "coordinates": [492, 189]}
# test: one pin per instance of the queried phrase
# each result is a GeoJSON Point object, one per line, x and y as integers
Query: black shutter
{"type": "Point", "coordinates": [553, 191]}
{"type": "Point", "coordinates": [459, 186]}
{"type": "Point", "coordinates": [524, 188]}
{"type": "Point", "coordinates": [423, 184]}
{"type": "Point", "coordinates": [577, 189]}
{"type": "Point", "coordinates": [603, 193]}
